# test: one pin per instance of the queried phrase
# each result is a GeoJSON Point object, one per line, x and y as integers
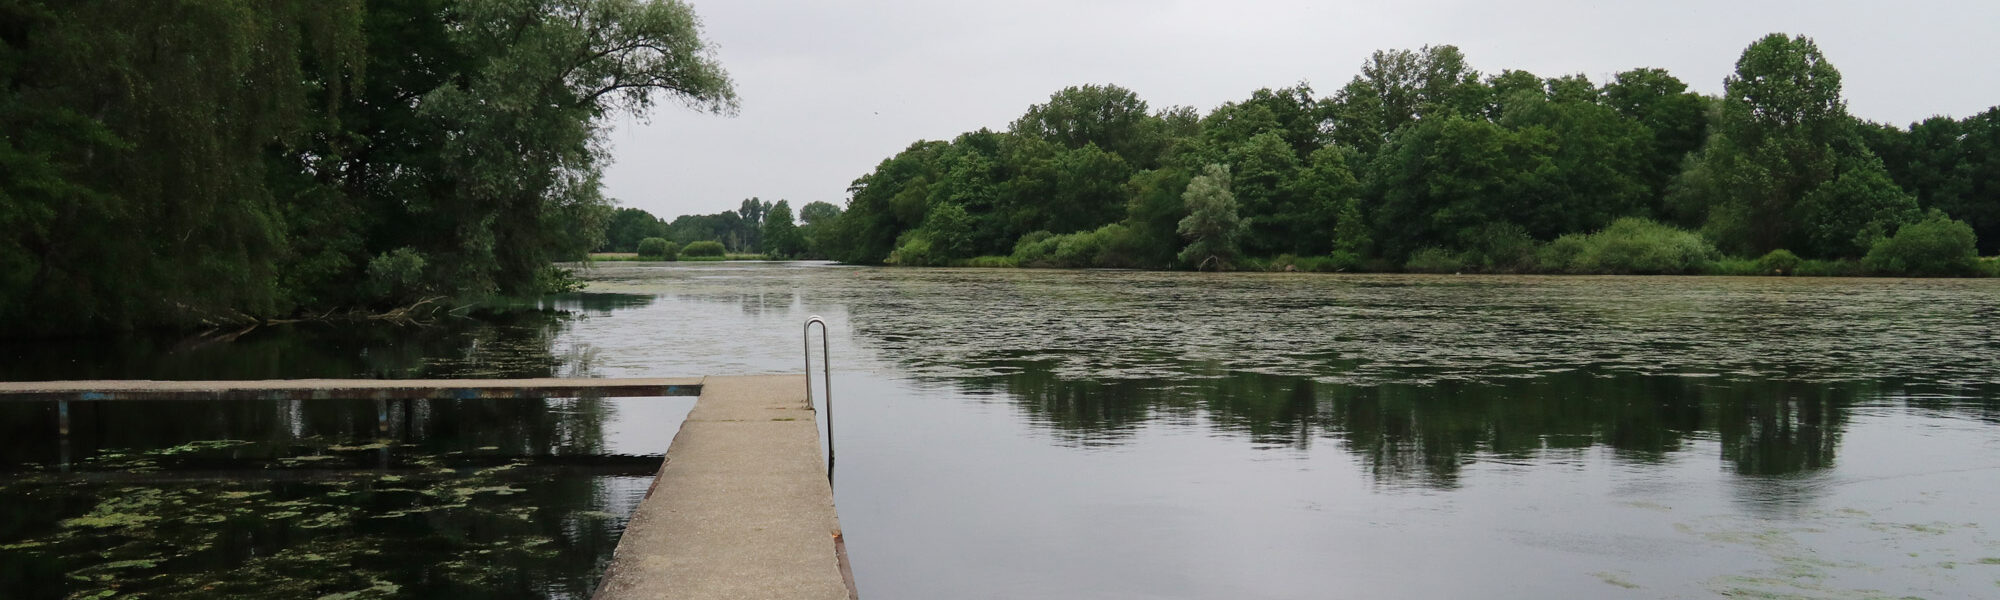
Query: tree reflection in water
{"type": "Point", "coordinates": [1418, 434]}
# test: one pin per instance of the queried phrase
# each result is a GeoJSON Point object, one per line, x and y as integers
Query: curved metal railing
{"type": "Point", "coordinates": [826, 368]}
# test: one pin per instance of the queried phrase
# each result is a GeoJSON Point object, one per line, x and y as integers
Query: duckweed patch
{"type": "Point", "coordinates": [428, 530]}
{"type": "Point", "coordinates": [1616, 579]}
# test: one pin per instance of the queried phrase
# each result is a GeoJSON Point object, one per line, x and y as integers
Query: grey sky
{"type": "Point", "coordinates": [831, 88]}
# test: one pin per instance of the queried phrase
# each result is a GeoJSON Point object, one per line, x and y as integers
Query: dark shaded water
{"type": "Point", "coordinates": [1117, 435]}
{"type": "Point", "coordinates": [343, 499]}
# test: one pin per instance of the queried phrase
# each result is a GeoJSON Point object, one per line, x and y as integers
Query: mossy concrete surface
{"type": "Point", "coordinates": [741, 509]}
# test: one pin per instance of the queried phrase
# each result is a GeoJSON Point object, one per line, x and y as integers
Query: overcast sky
{"type": "Point", "coordinates": [830, 88]}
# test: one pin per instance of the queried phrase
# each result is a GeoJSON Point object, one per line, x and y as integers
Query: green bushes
{"type": "Point", "coordinates": [915, 250]}
{"type": "Point", "coordinates": [989, 262]}
{"type": "Point", "coordinates": [658, 249]}
{"type": "Point", "coordinates": [1935, 246]}
{"type": "Point", "coordinates": [1630, 246]}
{"type": "Point", "coordinates": [1938, 246]}
{"type": "Point", "coordinates": [703, 249]}
{"type": "Point", "coordinates": [397, 276]}
{"type": "Point", "coordinates": [1738, 266]}
{"type": "Point", "coordinates": [1111, 246]}
{"type": "Point", "coordinates": [1434, 260]}
{"type": "Point", "coordinates": [1778, 262]}
{"type": "Point", "coordinates": [1500, 248]}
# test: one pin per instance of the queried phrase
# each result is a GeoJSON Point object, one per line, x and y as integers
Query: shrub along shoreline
{"type": "Point", "coordinates": [1934, 247]}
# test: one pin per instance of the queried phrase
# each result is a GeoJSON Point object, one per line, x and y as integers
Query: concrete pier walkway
{"type": "Point", "coordinates": [742, 508]}
{"type": "Point", "coordinates": [361, 389]}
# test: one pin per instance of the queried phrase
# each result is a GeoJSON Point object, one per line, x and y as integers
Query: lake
{"type": "Point", "coordinates": [1085, 434]}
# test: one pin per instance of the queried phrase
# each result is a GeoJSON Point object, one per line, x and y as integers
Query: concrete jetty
{"type": "Point", "coordinates": [361, 389]}
{"type": "Point", "coordinates": [742, 508]}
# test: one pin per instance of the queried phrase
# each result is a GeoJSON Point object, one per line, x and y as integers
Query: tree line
{"type": "Point", "coordinates": [1422, 163]}
{"type": "Point", "coordinates": [755, 227]}
{"type": "Point", "coordinates": [196, 162]}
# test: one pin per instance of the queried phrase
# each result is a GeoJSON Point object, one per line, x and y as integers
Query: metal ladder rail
{"type": "Point", "coordinates": [826, 369]}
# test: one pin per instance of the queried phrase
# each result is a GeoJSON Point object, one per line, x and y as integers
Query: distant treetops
{"type": "Point", "coordinates": [1422, 163]}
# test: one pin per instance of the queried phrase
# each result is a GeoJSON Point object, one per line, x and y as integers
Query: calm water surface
{"type": "Point", "coordinates": [1009, 434]}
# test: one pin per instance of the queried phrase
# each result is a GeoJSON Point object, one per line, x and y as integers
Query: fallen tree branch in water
{"type": "Point", "coordinates": [227, 327]}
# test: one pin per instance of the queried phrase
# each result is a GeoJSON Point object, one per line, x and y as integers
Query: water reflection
{"type": "Point", "coordinates": [1411, 434]}
{"type": "Point", "coordinates": [270, 499]}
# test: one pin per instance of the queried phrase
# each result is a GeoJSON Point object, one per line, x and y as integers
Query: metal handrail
{"type": "Point", "coordinates": [826, 368]}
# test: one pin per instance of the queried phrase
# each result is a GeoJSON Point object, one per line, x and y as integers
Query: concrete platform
{"type": "Point", "coordinates": [742, 508]}
{"type": "Point", "coordinates": [362, 389]}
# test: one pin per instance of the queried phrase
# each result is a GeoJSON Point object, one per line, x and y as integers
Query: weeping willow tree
{"type": "Point", "coordinates": [135, 154]}
{"type": "Point", "coordinates": [187, 162]}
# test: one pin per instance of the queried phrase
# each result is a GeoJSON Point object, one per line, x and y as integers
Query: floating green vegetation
{"type": "Point", "coordinates": [1800, 570]}
{"type": "Point", "coordinates": [376, 445]}
{"type": "Point", "coordinates": [201, 446]}
{"type": "Point", "coordinates": [429, 530]}
{"type": "Point", "coordinates": [1616, 579]}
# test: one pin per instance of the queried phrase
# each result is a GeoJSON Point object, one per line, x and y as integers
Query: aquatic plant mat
{"type": "Point", "coordinates": [336, 516]}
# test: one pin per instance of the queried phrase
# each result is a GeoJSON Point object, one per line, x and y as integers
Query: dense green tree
{"type": "Point", "coordinates": [1782, 132]}
{"type": "Point", "coordinates": [1844, 216]}
{"type": "Point", "coordinates": [1065, 190]}
{"type": "Point", "coordinates": [1572, 89]}
{"type": "Point", "coordinates": [1977, 199]}
{"type": "Point", "coordinates": [208, 161]}
{"type": "Point", "coordinates": [1398, 87]}
{"type": "Point", "coordinates": [1512, 86]}
{"type": "Point", "coordinates": [1354, 117]}
{"type": "Point", "coordinates": [134, 187]}
{"type": "Point", "coordinates": [885, 203]}
{"type": "Point", "coordinates": [1154, 212]}
{"type": "Point", "coordinates": [1440, 180]}
{"type": "Point", "coordinates": [1328, 216]}
{"type": "Point", "coordinates": [1948, 165]}
{"type": "Point", "coordinates": [949, 229]}
{"type": "Point", "coordinates": [1419, 155]}
{"type": "Point", "coordinates": [1296, 116]}
{"type": "Point", "coordinates": [629, 225]}
{"type": "Point", "coordinates": [751, 236]}
{"type": "Point", "coordinates": [1262, 171]}
{"type": "Point", "coordinates": [1593, 172]}
{"type": "Point", "coordinates": [523, 123]}
{"type": "Point", "coordinates": [1107, 116]}
{"type": "Point", "coordinates": [1677, 118]}
{"type": "Point", "coordinates": [780, 233]}
{"type": "Point", "coordinates": [819, 217]}
{"type": "Point", "coordinates": [1212, 224]}
{"type": "Point", "coordinates": [726, 227]}
{"type": "Point", "coordinates": [1224, 129]}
